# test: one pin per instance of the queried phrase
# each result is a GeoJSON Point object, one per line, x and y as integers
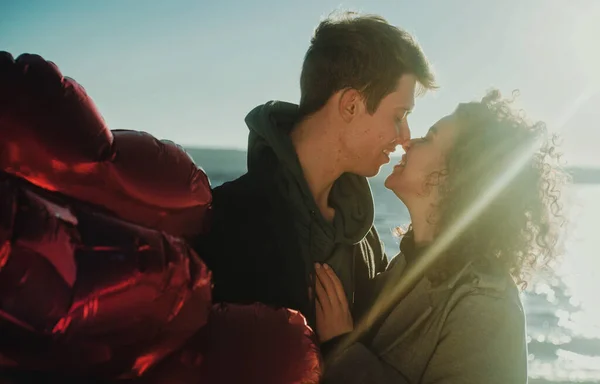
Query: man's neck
{"type": "Point", "coordinates": [318, 150]}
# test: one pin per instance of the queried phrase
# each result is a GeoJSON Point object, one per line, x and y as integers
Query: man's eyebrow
{"type": "Point", "coordinates": [405, 108]}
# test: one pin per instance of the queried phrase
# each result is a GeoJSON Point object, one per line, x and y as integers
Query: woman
{"type": "Point", "coordinates": [483, 201]}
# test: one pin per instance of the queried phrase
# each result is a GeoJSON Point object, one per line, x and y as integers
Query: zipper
{"type": "Point", "coordinates": [353, 282]}
{"type": "Point", "coordinates": [312, 278]}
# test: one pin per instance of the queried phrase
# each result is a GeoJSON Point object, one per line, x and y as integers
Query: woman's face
{"type": "Point", "coordinates": [412, 180]}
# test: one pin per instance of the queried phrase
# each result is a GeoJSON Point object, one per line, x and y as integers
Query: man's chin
{"type": "Point", "coordinates": [371, 173]}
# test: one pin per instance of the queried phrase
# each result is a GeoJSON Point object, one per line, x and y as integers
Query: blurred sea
{"type": "Point", "coordinates": [563, 310]}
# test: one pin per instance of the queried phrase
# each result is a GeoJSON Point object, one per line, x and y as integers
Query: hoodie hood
{"type": "Point", "coordinates": [270, 126]}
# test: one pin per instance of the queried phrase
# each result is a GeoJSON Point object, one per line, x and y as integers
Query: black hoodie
{"type": "Point", "coordinates": [272, 217]}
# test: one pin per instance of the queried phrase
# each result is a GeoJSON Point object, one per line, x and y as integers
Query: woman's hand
{"type": "Point", "coordinates": [333, 315]}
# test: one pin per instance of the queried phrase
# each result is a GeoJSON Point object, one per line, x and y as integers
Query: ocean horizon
{"type": "Point", "coordinates": [230, 161]}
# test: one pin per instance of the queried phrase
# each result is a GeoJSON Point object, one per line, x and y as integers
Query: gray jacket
{"type": "Point", "coordinates": [469, 330]}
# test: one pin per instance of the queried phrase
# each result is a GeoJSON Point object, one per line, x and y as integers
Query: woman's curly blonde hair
{"type": "Point", "coordinates": [519, 230]}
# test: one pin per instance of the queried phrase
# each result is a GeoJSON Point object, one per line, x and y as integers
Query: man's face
{"type": "Point", "coordinates": [369, 139]}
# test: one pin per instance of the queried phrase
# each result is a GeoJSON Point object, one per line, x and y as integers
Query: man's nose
{"type": "Point", "coordinates": [403, 133]}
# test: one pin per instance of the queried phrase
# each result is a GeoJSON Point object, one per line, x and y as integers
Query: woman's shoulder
{"type": "Point", "coordinates": [488, 298]}
{"type": "Point", "coordinates": [474, 281]}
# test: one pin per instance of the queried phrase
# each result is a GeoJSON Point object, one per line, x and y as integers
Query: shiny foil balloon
{"type": "Point", "coordinates": [52, 135]}
{"type": "Point", "coordinates": [83, 293]}
{"type": "Point", "coordinates": [245, 344]}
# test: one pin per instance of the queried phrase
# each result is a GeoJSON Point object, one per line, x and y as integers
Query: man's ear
{"type": "Point", "coordinates": [350, 104]}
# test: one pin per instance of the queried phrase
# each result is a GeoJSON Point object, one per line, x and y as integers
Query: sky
{"type": "Point", "coordinates": [190, 71]}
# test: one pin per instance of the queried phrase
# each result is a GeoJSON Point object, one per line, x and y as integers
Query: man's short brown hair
{"type": "Point", "coordinates": [363, 52]}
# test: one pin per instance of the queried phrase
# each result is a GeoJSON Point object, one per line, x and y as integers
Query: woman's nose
{"type": "Point", "coordinates": [406, 145]}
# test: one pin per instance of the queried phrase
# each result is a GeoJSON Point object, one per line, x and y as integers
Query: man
{"type": "Point", "coordinates": [305, 198]}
